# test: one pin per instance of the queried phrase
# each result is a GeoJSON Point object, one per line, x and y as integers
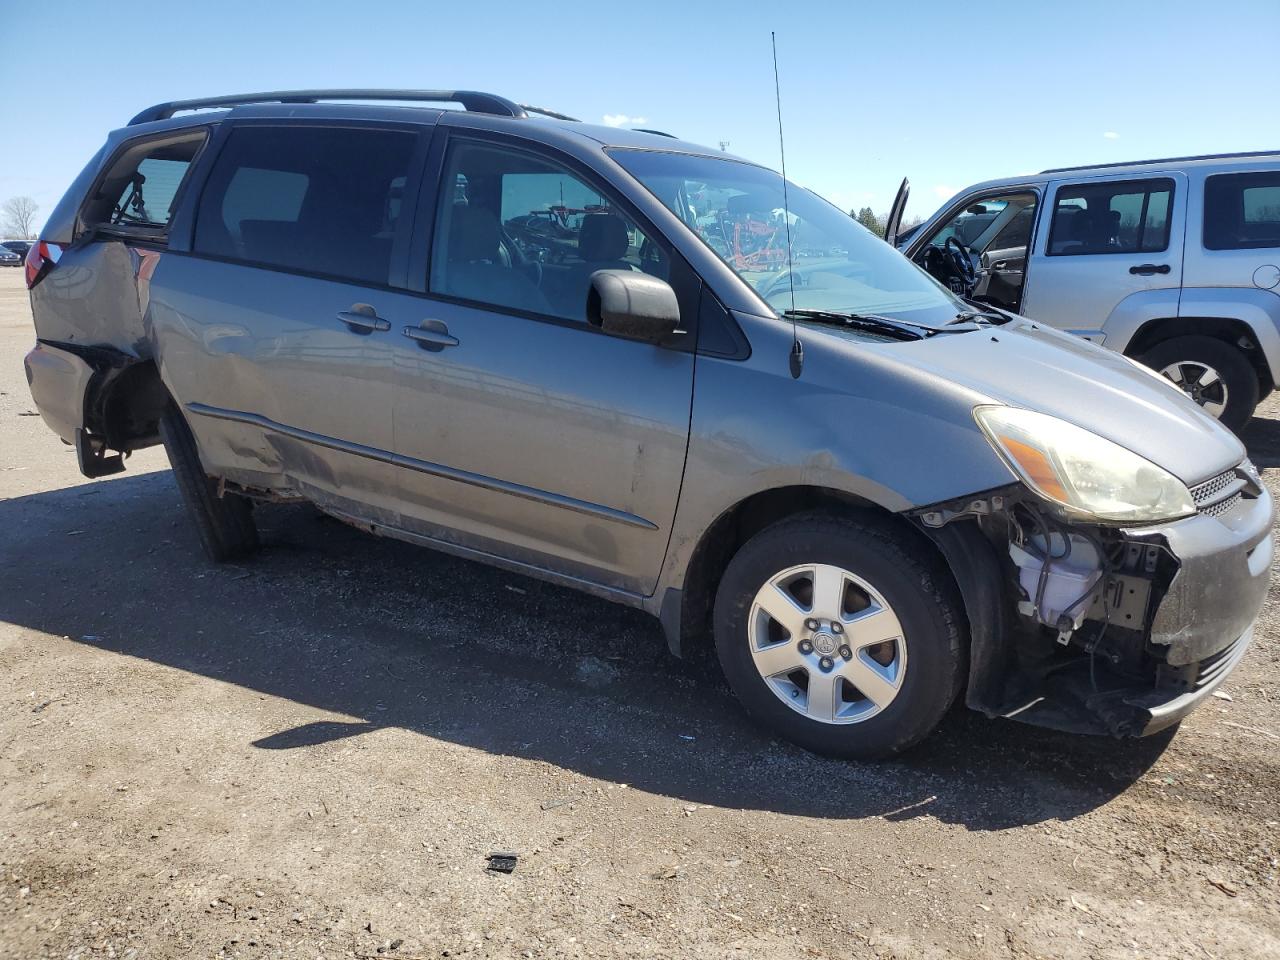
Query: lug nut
{"type": "Point", "coordinates": [835, 627]}
{"type": "Point", "coordinates": [811, 624]}
{"type": "Point", "coordinates": [806, 646]}
{"type": "Point", "coordinates": [846, 653]}
{"type": "Point", "coordinates": [826, 663]}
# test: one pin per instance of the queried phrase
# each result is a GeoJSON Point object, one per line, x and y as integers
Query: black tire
{"type": "Point", "coordinates": [918, 589]}
{"type": "Point", "coordinates": [224, 524]}
{"type": "Point", "coordinates": [1234, 368]}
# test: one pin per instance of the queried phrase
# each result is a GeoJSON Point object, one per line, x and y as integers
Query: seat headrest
{"type": "Point", "coordinates": [603, 237]}
{"type": "Point", "coordinates": [474, 234]}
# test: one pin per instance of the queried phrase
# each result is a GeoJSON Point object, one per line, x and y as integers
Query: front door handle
{"type": "Point", "coordinates": [1147, 269]}
{"type": "Point", "coordinates": [432, 335]}
{"type": "Point", "coordinates": [362, 318]}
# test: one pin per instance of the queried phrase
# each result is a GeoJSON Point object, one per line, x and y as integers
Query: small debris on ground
{"type": "Point", "coordinates": [502, 861]}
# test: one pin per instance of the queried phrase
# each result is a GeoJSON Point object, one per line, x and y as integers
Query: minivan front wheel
{"type": "Point", "coordinates": [1213, 373]}
{"type": "Point", "coordinates": [834, 634]}
{"type": "Point", "coordinates": [223, 523]}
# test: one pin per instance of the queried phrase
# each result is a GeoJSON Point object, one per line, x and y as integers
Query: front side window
{"type": "Point", "coordinates": [1099, 218]}
{"type": "Point", "coordinates": [1242, 211]}
{"type": "Point", "coordinates": [518, 231]}
{"type": "Point", "coordinates": [140, 191]}
{"type": "Point", "coordinates": [315, 199]}
{"type": "Point", "coordinates": [737, 209]}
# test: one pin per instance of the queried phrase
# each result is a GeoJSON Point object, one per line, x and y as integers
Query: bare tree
{"type": "Point", "coordinates": [20, 217]}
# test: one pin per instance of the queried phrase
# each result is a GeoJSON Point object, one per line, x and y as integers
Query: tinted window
{"type": "Point", "coordinates": [1096, 218]}
{"type": "Point", "coordinates": [1242, 211]}
{"type": "Point", "coordinates": [521, 232]}
{"type": "Point", "coordinates": [140, 190]}
{"type": "Point", "coordinates": [319, 200]}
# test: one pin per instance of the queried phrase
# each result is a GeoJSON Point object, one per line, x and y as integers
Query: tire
{"type": "Point", "coordinates": [926, 661]}
{"type": "Point", "coordinates": [1183, 360]}
{"type": "Point", "coordinates": [223, 523]}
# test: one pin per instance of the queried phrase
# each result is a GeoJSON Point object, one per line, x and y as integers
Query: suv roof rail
{"type": "Point", "coordinates": [470, 99]}
{"type": "Point", "coordinates": [1139, 163]}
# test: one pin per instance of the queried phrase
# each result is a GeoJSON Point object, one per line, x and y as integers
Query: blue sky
{"type": "Point", "coordinates": [941, 92]}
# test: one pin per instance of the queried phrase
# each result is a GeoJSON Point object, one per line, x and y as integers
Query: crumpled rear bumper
{"type": "Point", "coordinates": [58, 381]}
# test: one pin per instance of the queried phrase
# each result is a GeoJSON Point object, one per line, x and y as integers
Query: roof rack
{"type": "Point", "coordinates": [470, 99]}
{"type": "Point", "coordinates": [1139, 163]}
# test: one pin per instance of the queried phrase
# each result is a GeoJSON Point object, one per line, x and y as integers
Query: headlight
{"type": "Point", "coordinates": [1086, 476]}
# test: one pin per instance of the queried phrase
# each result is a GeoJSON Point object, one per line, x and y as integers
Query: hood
{"type": "Point", "coordinates": [1024, 364]}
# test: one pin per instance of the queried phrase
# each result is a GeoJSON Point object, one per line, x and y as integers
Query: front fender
{"type": "Point", "coordinates": [876, 432]}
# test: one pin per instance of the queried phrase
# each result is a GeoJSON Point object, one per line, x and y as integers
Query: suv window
{"type": "Point", "coordinates": [521, 232]}
{"type": "Point", "coordinates": [1242, 211]}
{"type": "Point", "coordinates": [1123, 217]}
{"type": "Point", "coordinates": [316, 199]}
{"type": "Point", "coordinates": [139, 193]}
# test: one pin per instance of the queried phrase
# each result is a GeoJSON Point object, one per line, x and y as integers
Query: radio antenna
{"type": "Point", "coordinates": [797, 348]}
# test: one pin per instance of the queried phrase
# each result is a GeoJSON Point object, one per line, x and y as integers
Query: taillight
{"type": "Point", "coordinates": [40, 260]}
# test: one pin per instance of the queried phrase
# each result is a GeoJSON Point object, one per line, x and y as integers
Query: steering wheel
{"type": "Point", "coordinates": [958, 259]}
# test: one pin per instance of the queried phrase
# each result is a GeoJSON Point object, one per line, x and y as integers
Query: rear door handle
{"type": "Point", "coordinates": [361, 318]}
{"type": "Point", "coordinates": [1147, 269]}
{"type": "Point", "coordinates": [432, 335]}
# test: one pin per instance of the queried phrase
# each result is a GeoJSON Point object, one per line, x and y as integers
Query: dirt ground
{"type": "Point", "coordinates": [313, 753]}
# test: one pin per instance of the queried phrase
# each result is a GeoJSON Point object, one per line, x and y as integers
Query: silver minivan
{"type": "Point", "coordinates": [643, 369]}
{"type": "Point", "coordinates": [1173, 262]}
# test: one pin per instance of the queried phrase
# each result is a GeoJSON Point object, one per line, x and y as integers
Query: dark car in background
{"type": "Point", "coordinates": [12, 252]}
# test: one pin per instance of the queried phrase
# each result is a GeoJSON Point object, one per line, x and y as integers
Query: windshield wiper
{"type": "Point", "coordinates": [889, 326]}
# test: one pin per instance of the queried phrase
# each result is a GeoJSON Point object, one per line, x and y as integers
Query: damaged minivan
{"type": "Point", "coordinates": [643, 369]}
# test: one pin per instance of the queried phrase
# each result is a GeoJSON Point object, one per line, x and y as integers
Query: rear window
{"type": "Point", "coordinates": [142, 187]}
{"type": "Point", "coordinates": [314, 199]}
{"type": "Point", "coordinates": [1242, 211]}
{"type": "Point", "coordinates": [1116, 217]}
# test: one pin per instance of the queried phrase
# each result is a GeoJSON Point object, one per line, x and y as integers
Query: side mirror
{"type": "Point", "coordinates": [626, 303]}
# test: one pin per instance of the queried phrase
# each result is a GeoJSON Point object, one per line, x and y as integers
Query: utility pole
{"type": "Point", "coordinates": [724, 145]}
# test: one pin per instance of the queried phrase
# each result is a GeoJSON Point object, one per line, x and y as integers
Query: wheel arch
{"type": "Point", "coordinates": [686, 612]}
{"type": "Point", "coordinates": [1230, 330]}
{"type": "Point", "coordinates": [128, 406]}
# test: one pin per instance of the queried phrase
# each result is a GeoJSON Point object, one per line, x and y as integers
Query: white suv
{"type": "Point", "coordinates": [1173, 262]}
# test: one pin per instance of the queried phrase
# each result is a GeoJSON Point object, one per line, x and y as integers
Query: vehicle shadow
{"type": "Point", "coordinates": [1261, 436]}
{"type": "Point", "coordinates": [397, 636]}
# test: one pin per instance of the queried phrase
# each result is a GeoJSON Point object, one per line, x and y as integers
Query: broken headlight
{"type": "Point", "coordinates": [1084, 475]}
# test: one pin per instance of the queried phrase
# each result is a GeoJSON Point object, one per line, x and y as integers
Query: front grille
{"type": "Point", "coordinates": [1219, 494]}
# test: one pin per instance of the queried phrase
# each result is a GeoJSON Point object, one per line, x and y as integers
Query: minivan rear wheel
{"type": "Point", "coordinates": [223, 523]}
{"type": "Point", "coordinates": [1213, 373]}
{"type": "Point", "coordinates": [834, 633]}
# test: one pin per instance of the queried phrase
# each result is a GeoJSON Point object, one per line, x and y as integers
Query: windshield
{"type": "Point", "coordinates": [837, 264]}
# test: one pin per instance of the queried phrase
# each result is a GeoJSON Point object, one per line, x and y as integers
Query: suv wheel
{"type": "Point", "coordinates": [223, 523]}
{"type": "Point", "coordinates": [834, 635]}
{"type": "Point", "coordinates": [1213, 373]}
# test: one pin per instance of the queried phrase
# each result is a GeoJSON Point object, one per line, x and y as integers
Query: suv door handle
{"type": "Point", "coordinates": [432, 335]}
{"type": "Point", "coordinates": [361, 318]}
{"type": "Point", "coordinates": [1147, 269]}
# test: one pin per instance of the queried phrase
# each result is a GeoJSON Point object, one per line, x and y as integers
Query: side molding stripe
{"type": "Point", "coordinates": [425, 466]}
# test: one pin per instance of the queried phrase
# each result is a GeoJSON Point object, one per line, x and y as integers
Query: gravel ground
{"type": "Point", "coordinates": [313, 753]}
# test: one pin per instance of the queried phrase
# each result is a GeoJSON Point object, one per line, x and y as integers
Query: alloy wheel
{"type": "Point", "coordinates": [1201, 383]}
{"type": "Point", "coordinates": [827, 644]}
